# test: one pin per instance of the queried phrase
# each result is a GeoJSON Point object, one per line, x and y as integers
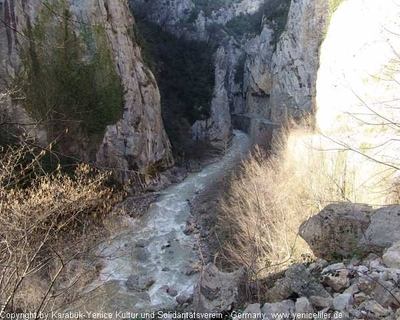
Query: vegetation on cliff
{"type": "Point", "coordinates": [52, 219]}
{"type": "Point", "coordinates": [68, 82]}
{"type": "Point", "coordinates": [273, 12]}
{"type": "Point", "coordinates": [185, 75]}
{"type": "Point", "coordinates": [208, 6]}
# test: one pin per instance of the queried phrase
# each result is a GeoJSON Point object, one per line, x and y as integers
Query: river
{"type": "Point", "coordinates": [153, 253]}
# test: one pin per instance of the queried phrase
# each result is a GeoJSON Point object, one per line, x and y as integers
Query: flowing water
{"type": "Point", "coordinates": [153, 251]}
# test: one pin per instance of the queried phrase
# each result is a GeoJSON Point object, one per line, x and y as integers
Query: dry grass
{"type": "Point", "coordinates": [270, 197]}
{"type": "Point", "coordinates": [47, 228]}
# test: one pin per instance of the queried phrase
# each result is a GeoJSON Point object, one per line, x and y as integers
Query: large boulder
{"type": "Point", "coordinates": [346, 229]}
{"type": "Point", "coordinates": [338, 230]}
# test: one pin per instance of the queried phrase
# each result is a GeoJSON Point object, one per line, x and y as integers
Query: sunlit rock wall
{"type": "Point", "coordinates": [296, 59]}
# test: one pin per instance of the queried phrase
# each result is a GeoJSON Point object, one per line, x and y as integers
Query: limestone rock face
{"type": "Point", "coordinates": [165, 13]}
{"type": "Point", "coordinates": [137, 142]}
{"type": "Point", "coordinates": [193, 23]}
{"type": "Point", "coordinates": [296, 59]}
{"type": "Point", "coordinates": [16, 15]}
{"type": "Point", "coordinates": [257, 78]}
{"type": "Point", "coordinates": [218, 126]}
{"type": "Point", "coordinates": [279, 78]}
{"type": "Point", "coordinates": [253, 114]}
{"type": "Point", "coordinates": [171, 14]}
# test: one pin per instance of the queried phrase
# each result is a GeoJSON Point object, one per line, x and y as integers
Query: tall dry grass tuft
{"type": "Point", "coordinates": [47, 225]}
{"type": "Point", "coordinates": [271, 196]}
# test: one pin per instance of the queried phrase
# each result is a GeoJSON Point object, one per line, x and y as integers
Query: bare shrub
{"type": "Point", "coordinates": [47, 227]}
{"type": "Point", "coordinates": [260, 214]}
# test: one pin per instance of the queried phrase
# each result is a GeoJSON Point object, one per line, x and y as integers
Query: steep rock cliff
{"type": "Point", "coordinates": [218, 127]}
{"type": "Point", "coordinates": [191, 18]}
{"type": "Point", "coordinates": [137, 142]}
{"type": "Point", "coordinates": [253, 113]}
{"type": "Point", "coordinates": [205, 21]}
{"type": "Point", "coordinates": [275, 67]}
{"type": "Point", "coordinates": [296, 60]}
{"type": "Point", "coordinates": [281, 71]}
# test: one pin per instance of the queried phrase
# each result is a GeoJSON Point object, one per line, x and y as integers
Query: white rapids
{"type": "Point", "coordinates": [155, 247]}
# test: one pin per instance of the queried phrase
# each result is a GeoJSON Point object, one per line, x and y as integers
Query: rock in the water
{"type": "Point", "coordinates": [142, 254]}
{"type": "Point", "coordinates": [190, 270]}
{"type": "Point", "coordinates": [392, 256]}
{"type": "Point", "coordinates": [141, 244]}
{"type": "Point", "coordinates": [184, 298]}
{"type": "Point", "coordinates": [338, 230]}
{"type": "Point", "coordinates": [139, 283]}
{"type": "Point", "coordinates": [194, 166]}
{"type": "Point", "coordinates": [172, 292]}
{"type": "Point", "coordinates": [217, 291]}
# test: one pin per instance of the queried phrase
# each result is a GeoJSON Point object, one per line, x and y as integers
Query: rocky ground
{"type": "Point", "coordinates": [359, 279]}
{"type": "Point", "coordinates": [356, 274]}
{"type": "Point", "coordinates": [356, 289]}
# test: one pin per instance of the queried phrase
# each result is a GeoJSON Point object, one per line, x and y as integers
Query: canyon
{"type": "Point", "coordinates": [263, 76]}
{"type": "Point", "coordinates": [85, 81]}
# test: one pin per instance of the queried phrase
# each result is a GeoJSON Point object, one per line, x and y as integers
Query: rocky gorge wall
{"type": "Point", "coordinates": [133, 140]}
{"type": "Point", "coordinates": [266, 62]}
{"type": "Point", "coordinates": [295, 62]}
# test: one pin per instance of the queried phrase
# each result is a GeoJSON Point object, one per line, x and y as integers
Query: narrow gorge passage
{"type": "Point", "coordinates": [153, 252]}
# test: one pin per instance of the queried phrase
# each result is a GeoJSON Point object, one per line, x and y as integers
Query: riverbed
{"type": "Point", "coordinates": [151, 262]}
